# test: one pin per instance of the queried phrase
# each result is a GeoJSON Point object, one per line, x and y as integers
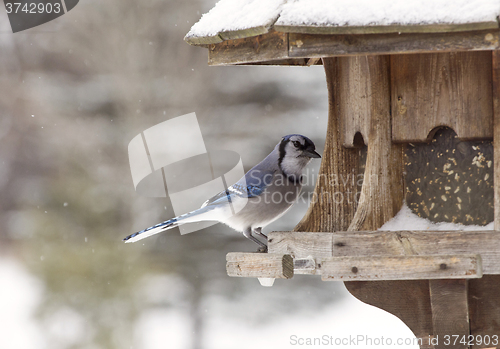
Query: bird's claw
{"type": "Point", "coordinates": [262, 249]}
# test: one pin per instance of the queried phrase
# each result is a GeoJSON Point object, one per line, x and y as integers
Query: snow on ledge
{"type": "Point", "coordinates": [407, 220]}
{"type": "Point", "coordinates": [387, 12]}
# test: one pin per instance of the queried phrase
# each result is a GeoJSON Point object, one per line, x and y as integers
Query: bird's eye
{"type": "Point", "coordinates": [296, 144]}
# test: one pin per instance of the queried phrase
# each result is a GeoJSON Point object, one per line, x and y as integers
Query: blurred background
{"type": "Point", "coordinates": [74, 92]}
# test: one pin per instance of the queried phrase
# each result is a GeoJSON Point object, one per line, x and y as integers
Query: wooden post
{"type": "Point", "coordinates": [483, 294]}
{"type": "Point", "coordinates": [409, 300]}
{"type": "Point", "coordinates": [450, 313]}
{"type": "Point", "coordinates": [333, 204]}
{"type": "Point", "coordinates": [382, 191]}
{"type": "Point", "coordinates": [496, 132]}
{"type": "Point", "coordinates": [366, 81]}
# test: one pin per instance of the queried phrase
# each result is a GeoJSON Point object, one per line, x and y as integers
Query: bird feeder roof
{"type": "Point", "coordinates": [235, 19]}
{"type": "Point", "coordinates": [243, 19]}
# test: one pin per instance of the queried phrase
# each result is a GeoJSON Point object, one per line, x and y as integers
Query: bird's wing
{"type": "Point", "coordinates": [253, 184]}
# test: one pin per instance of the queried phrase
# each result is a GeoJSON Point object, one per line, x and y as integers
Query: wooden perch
{"type": "Point", "coordinates": [390, 243]}
{"type": "Point", "coordinates": [367, 85]}
{"type": "Point", "coordinates": [259, 265]}
{"type": "Point", "coordinates": [496, 125]}
{"type": "Point", "coordinates": [401, 268]}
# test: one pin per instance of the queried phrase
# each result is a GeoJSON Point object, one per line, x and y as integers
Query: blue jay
{"type": "Point", "coordinates": [269, 189]}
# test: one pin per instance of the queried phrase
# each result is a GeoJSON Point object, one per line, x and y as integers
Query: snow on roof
{"type": "Point", "coordinates": [236, 15]}
{"type": "Point", "coordinates": [387, 12]}
{"type": "Point", "coordinates": [231, 19]}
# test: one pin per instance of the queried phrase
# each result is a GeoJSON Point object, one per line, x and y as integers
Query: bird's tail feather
{"type": "Point", "coordinates": [193, 216]}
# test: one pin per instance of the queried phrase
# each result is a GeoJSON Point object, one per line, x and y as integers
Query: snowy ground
{"type": "Point", "coordinates": [350, 322]}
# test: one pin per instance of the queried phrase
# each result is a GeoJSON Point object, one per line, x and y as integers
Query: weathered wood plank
{"type": "Point", "coordinates": [384, 29]}
{"type": "Point", "coordinates": [355, 99]}
{"type": "Point", "coordinates": [391, 243]}
{"type": "Point", "coordinates": [334, 201]}
{"type": "Point", "coordinates": [441, 89]}
{"type": "Point", "coordinates": [485, 243]}
{"type": "Point", "coordinates": [310, 45]}
{"type": "Point", "coordinates": [408, 300]}
{"type": "Point", "coordinates": [496, 138]}
{"type": "Point", "coordinates": [299, 246]}
{"type": "Point", "coordinates": [365, 106]}
{"type": "Point", "coordinates": [244, 33]}
{"type": "Point", "coordinates": [261, 48]}
{"type": "Point", "coordinates": [259, 265]}
{"type": "Point", "coordinates": [401, 268]}
{"type": "Point", "coordinates": [484, 315]}
{"type": "Point", "coordinates": [378, 180]}
{"type": "Point", "coordinates": [303, 62]}
{"type": "Point", "coordinates": [203, 40]}
{"type": "Point", "coordinates": [450, 312]}
{"type": "Point", "coordinates": [380, 29]}
{"type": "Point", "coordinates": [484, 295]}
{"type": "Point", "coordinates": [397, 297]}
{"type": "Point", "coordinates": [279, 46]}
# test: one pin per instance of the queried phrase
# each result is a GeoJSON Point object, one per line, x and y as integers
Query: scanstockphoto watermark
{"type": "Point", "coordinates": [351, 340]}
{"type": "Point", "coordinates": [364, 340]}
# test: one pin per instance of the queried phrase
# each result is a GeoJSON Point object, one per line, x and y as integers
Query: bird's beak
{"type": "Point", "coordinates": [311, 153]}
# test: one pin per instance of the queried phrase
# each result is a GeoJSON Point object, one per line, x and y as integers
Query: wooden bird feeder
{"type": "Point", "coordinates": [391, 87]}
